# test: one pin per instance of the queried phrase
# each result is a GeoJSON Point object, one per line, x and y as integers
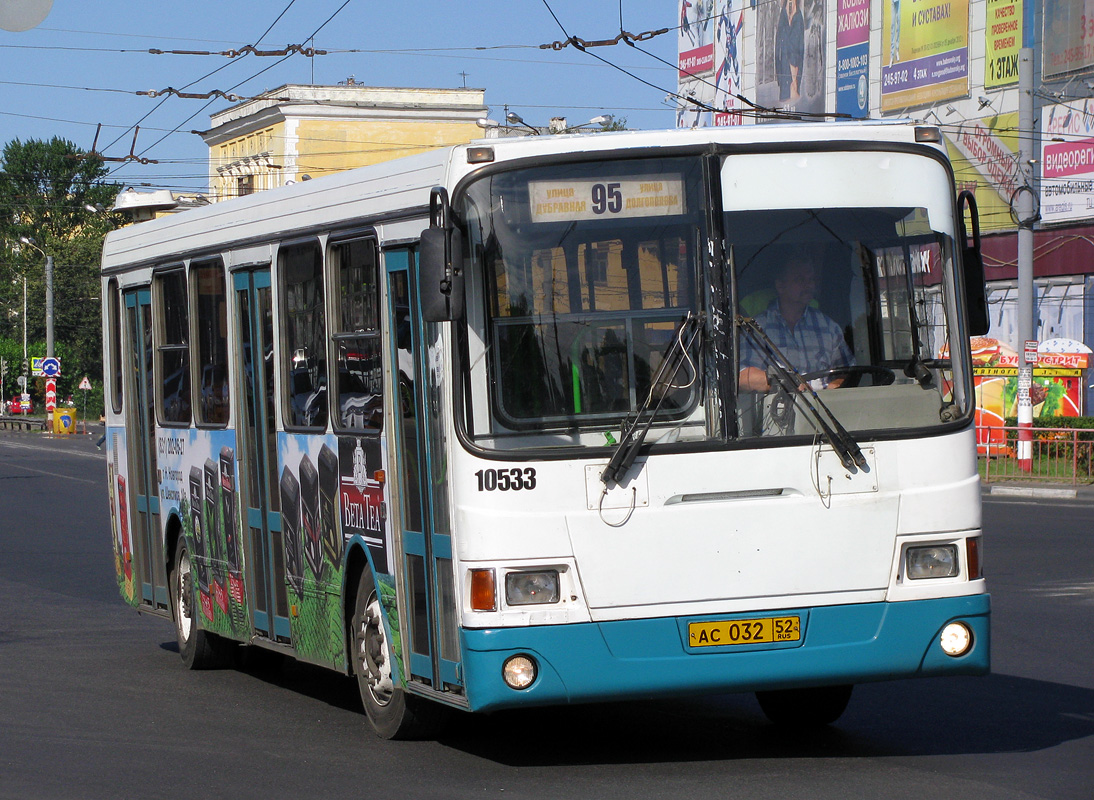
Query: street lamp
{"type": "Point", "coordinates": [602, 121]}
{"type": "Point", "coordinates": [49, 293]}
{"type": "Point", "coordinates": [49, 307]}
{"type": "Point", "coordinates": [514, 118]}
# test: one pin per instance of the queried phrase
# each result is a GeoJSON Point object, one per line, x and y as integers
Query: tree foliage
{"type": "Point", "coordinates": [45, 188]}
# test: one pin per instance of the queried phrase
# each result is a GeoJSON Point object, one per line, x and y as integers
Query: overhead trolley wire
{"type": "Point", "coordinates": [252, 77]}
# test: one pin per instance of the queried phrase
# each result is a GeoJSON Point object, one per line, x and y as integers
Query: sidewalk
{"type": "Point", "coordinates": [1039, 489]}
{"type": "Point", "coordinates": [72, 441]}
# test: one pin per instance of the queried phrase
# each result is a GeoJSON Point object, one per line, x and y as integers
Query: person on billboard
{"type": "Point", "coordinates": [789, 51]}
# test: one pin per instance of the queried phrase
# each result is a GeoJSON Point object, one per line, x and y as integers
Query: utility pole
{"type": "Point", "coordinates": [49, 306]}
{"type": "Point", "coordinates": [1026, 328]}
{"type": "Point", "coordinates": [51, 384]}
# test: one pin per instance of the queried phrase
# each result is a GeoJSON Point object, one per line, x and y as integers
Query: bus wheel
{"type": "Point", "coordinates": [393, 713]}
{"type": "Point", "coordinates": [199, 649]}
{"type": "Point", "coordinates": [805, 708]}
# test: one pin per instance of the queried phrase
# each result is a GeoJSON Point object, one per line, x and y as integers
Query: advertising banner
{"type": "Point", "coordinates": [710, 62]}
{"type": "Point", "coordinates": [1067, 161]}
{"type": "Point", "coordinates": [791, 70]}
{"type": "Point", "coordinates": [727, 59]}
{"type": "Point", "coordinates": [984, 153]}
{"type": "Point", "coordinates": [1004, 30]}
{"type": "Point", "coordinates": [696, 39]}
{"type": "Point", "coordinates": [1055, 391]}
{"type": "Point", "coordinates": [853, 58]}
{"type": "Point", "coordinates": [927, 58]}
{"type": "Point", "coordinates": [1068, 43]}
{"type": "Point", "coordinates": [695, 61]}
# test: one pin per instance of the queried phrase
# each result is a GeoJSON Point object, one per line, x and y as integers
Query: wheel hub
{"type": "Point", "coordinates": [373, 654]}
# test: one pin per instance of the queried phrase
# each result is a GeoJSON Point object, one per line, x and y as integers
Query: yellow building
{"type": "Point", "coordinates": [298, 132]}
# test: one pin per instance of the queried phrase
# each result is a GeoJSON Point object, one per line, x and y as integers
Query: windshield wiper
{"type": "Point", "coordinates": [636, 429]}
{"type": "Point", "coordinates": [799, 390]}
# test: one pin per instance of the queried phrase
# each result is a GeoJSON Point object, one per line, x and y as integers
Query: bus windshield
{"type": "Point", "coordinates": [582, 274]}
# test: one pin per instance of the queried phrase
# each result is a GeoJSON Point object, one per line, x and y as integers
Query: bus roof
{"type": "Point", "coordinates": [399, 189]}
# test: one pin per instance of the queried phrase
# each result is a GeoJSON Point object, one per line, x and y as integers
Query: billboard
{"type": "Point", "coordinates": [1067, 45]}
{"type": "Point", "coordinates": [791, 71]}
{"type": "Point", "coordinates": [1067, 161]}
{"type": "Point", "coordinates": [984, 154]}
{"type": "Point", "coordinates": [853, 58]}
{"type": "Point", "coordinates": [925, 52]}
{"type": "Point", "coordinates": [696, 38]}
{"type": "Point", "coordinates": [1005, 32]}
{"type": "Point", "coordinates": [710, 62]}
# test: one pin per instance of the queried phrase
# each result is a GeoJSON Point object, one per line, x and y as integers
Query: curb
{"type": "Point", "coordinates": [1029, 491]}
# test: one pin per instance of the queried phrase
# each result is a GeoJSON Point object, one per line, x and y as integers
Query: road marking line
{"type": "Point", "coordinates": [42, 448]}
{"type": "Point", "coordinates": [53, 474]}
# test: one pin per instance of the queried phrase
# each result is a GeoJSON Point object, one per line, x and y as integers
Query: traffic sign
{"type": "Point", "coordinates": [51, 394]}
{"type": "Point", "coordinates": [51, 367]}
{"type": "Point", "coordinates": [85, 384]}
{"type": "Point", "coordinates": [1030, 353]}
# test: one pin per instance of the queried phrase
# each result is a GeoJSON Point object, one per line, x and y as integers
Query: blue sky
{"type": "Point", "coordinates": [84, 64]}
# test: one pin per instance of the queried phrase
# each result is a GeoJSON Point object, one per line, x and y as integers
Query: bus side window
{"type": "Point", "coordinates": [114, 336]}
{"type": "Point", "coordinates": [358, 352]}
{"type": "Point", "coordinates": [304, 323]}
{"type": "Point", "coordinates": [173, 348]}
{"type": "Point", "coordinates": [211, 318]}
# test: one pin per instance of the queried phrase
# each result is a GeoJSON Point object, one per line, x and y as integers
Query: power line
{"type": "Point", "coordinates": [187, 86]}
{"type": "Point", "coordinates": [260, 72]}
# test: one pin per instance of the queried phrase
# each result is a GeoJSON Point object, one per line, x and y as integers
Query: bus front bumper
{"type": "Point", "coordinates": [595, 662]}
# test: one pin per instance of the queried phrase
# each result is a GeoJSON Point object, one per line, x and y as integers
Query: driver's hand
{"type": "Point", "coordinates": [753, 379]}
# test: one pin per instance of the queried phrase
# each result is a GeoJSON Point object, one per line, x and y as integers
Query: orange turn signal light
{"type": "Point", "coordinates": [484, 595]}
{"type": "Point", "coordinates": [972, 553]}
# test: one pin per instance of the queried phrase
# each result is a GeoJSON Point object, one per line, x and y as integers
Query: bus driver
{"type": "Point", "coordinates": [810, 340]}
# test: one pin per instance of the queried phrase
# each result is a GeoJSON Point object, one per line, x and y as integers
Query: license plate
{"type": "Point", "coordinates": [766, 630]}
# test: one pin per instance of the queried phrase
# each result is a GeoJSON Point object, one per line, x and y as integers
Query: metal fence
{"type": "Point", "coordinates": [1059, 455]}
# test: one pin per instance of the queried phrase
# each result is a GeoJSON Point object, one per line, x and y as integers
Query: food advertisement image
{"type": "Point", "coordinates": [1056, 389]}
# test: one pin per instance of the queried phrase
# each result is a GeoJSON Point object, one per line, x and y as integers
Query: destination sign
{"type": "Point", "coordinates": [571, 200]}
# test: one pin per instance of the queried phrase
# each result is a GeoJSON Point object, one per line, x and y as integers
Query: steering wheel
{"type": "Point", "coordinates": [853, 374]}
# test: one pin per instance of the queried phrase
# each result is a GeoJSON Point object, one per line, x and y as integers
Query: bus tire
{"type": "Point", "coordinates": [805, 708]}
{"type": "Point", "coordinates": [392, 712]}
{"type": "Point", "coordinates": [199, 649]}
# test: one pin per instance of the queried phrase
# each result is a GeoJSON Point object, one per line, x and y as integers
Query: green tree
{"type": "Point", "coordinates": [46, 189]}
{"type": "Point", "coordinates": [616, 124]}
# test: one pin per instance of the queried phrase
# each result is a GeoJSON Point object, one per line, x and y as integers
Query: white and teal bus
{"type": "Point", "coordinates": [474, 425]}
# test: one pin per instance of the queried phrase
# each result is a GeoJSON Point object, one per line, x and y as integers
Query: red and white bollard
{"type": "Point", "coordinates": [51, 400]}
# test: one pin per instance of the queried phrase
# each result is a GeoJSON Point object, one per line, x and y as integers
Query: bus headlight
{"type": "Point", "coordinates": [531, 588]}
{"type": "Point", "coordinates": [956, 639]}
{"type": "Point", "coordinates": [935, 561]}
{"type": "Point", "coordinates": [519, 672]}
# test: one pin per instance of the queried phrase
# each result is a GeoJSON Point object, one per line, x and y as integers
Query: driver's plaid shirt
{"type": "Point", "coordinates": [816, 343]}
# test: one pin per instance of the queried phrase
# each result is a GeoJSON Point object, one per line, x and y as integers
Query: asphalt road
{"type": "Point", "coordinates": [95, 702]}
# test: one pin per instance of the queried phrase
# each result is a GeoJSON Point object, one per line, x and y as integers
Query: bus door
{"type": "Point", "coordinates": [426, 590]}
{"type": "Point", "coordinates": [261, 501]}
{"type": "Point", "coordinates": [143, 491]}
